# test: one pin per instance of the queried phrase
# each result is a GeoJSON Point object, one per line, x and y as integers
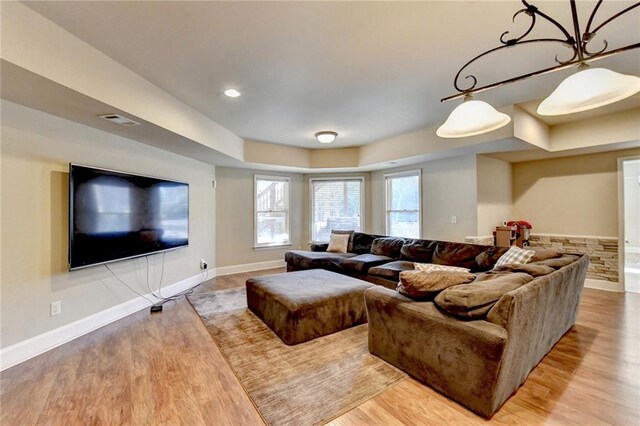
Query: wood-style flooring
{"type": "Point", "coordinates": [165, 369]}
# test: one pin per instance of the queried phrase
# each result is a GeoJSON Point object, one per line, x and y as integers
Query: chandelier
{"type": "Point", "coordinates": [587, 89]}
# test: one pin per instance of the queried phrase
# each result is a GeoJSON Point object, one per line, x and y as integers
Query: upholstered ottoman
{"type": "Point", "coordinates": [300, 306]}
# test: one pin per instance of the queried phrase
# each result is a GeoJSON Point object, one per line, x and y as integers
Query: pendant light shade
{"type": "Point", "coordinates": [588, 89]}
{"type": "Point", "coordinates": [472, 118]}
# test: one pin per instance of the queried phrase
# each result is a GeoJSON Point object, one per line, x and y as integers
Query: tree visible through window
{"type": "Point", "coordinates": [272, 210]}
{"type": "Point", "coordinates": [335, 204]}
{"type": "Point", "coordinates": [403, 204]}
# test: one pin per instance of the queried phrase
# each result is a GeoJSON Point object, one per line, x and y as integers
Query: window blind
{"type": "Point", "coordinates": [336, 204]}
{"type": "Point", "coordinates": [403, 204]}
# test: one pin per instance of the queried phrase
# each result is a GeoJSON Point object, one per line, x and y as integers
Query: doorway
{"type": "Point", "coordinates": [631, 223]}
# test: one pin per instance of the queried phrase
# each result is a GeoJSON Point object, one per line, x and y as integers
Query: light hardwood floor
{"type": "Point", "coordinates": [165, 369]}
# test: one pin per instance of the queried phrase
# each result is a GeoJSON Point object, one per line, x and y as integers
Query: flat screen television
{"type": "Point", "coordinates": [116, 215]}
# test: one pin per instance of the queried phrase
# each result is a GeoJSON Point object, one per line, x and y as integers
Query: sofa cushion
{"type": "Point", "coordinates": [338, 243]}
{"type": "Point", "coordinates": [542, 253]}
{"type": "Point", "coordinates": [362, 242]}
{"type": "Point", "coordinates": [528, 268]}
{"type": "Point", "coordinates": [418, 251]}
{"type": "Point", "coordinates": [475, 300]}
{"type": "Point", "coordinates": [515, 255]}
{"type": "Point", "coordinates": [388, 246]}
{"type": "Point", "coordinates": [391, 271]}
{"type": "Point", "coordinates": [488, 258]}
{"type": "Point", "coordinates": [426, 285]}
{"type": "Point", "coordinates": [457, 254]}
{"type": "Point", "coordinates": [432, 267]}
{"type": "Point", "coordinates": [559, 262]}
{"type": "Point", "coordinates": [301, 259]}
{"type": "Point", "coordinates": [361, 263]}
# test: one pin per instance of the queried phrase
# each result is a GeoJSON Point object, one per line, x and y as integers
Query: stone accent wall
{"type": "Point", "coordinates": [483, 241]}
{"type": "Point", "coordinates": [603, 252]}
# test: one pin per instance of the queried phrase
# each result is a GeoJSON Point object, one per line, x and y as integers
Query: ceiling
{"type": "Point", "coordinates": [368, 70]}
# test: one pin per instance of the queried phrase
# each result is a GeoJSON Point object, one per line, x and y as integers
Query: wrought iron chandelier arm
{"type": "Point", "coordinates": [589, 34]}
{"type": "Point", "coordinates": [539, 72]}
{"type": "Point", "coordinates": [533, 9]}
{"type": "Point", "coordinates": [475, 80]}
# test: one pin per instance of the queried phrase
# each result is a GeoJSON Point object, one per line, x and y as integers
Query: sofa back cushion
{"type": "Point", "coordinates": [426, 285]}
{"type": "Point", "coordinates": [420, 251]}
{"type": "Point", "coordinates": [488, 258]}
{"type": "Point", "coordinates": [388, 246]}
{"type": "Point", "coordinates": [475, 300]}
{"type": "Point", "coordinates": [457, 254]}
{"type": "Point", "coordinates": [362, 242]}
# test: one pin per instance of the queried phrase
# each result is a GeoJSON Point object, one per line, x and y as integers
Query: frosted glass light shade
{"type": "Point", "coordinates": [472, 118]}
{"type": "Point", "coordinates": [326, 137]}
{"type": "Point", "coordinates": [589, 89]}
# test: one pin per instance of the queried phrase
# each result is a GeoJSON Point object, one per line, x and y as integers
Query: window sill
{"type": "Point", "coordinates": [272, 246]}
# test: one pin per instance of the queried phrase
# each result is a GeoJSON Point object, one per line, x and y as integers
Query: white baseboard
{"type": "Point", "coordinates": [603, 285]}
{"type": "Point", "coordinates": [248, 267]}
{"type": "Point", "coordinates": [22, 351]}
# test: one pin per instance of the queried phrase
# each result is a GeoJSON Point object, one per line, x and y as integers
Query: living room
{"type": "Point", "coordinates": [374, 73]}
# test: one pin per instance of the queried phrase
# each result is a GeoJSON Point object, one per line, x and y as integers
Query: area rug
{"type": "Point", "coordinates": [306, 384]}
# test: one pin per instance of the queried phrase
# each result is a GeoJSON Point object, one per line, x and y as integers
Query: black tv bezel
{"type": "Point", "coordinates": [70, 216]}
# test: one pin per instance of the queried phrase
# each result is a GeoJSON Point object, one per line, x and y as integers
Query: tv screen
{"type": "Point", "coordinates": [116, 215]}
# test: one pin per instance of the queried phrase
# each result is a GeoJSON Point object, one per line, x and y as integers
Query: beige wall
{"type": "Point", "coordinates": [494, 194]}
{"type": "Point", "coordinates": [570, 196]}
{"type": "Point", "coordinates": [306, 208]}
{"type": "Point", "coordinates": [448, 189]}
{"type": "Point", "coordinates": [235, 217]}
{"type": "Point", "coordinates": [36, 150]}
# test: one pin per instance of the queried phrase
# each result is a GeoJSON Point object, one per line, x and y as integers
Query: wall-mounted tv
{"type": "Point", "coordinates": [116, 215]}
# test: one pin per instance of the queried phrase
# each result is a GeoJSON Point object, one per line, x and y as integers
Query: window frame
{"type": "Point", "coordinates": [387, 198]}
{"type": "Point", "coordinates": [362, 181]}
{"type": "Point", "coordinates": [287, 211]}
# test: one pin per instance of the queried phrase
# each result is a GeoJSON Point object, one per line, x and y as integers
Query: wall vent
{"type": "Point", "coordinates": [119, 119]}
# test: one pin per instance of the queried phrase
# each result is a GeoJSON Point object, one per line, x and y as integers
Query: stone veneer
{"type": "Point", "coordinates": [603, 252]}
{"type": "Point", "coordinates": [483, 241]}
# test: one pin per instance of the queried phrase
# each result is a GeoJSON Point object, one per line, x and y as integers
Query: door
{"type": "Point", "coordinates": [631, 193]}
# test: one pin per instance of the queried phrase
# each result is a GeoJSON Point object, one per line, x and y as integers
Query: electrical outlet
{"type": "Point", "coordinates": [454, 219]}
{"type": "Point", "coordinates": [203, 264]}
{"type": "Point", "coordinates": [56, 308]}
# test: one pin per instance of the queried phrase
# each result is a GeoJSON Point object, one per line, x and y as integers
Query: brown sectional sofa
{"type": "Point", "coordinates": [379, 259]}
{"type": "Point", "coordinates": [475, 343]}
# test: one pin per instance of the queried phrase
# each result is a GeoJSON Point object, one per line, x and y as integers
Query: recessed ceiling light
{"type": "Point", "coordinates": [326, 137]}
{"type": "Point", "coordinates": [232, 93]}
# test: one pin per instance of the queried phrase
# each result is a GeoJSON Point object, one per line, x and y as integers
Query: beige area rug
{"type": "Point", "coordinates": [306, 384]}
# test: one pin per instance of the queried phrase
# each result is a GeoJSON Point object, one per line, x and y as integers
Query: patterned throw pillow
{"type": "Point", "coordinates": [338, 243]}
{"type": "Point", "coordinates": [432, 267]}
{"type": "Point", "coordinates": [515, 255]}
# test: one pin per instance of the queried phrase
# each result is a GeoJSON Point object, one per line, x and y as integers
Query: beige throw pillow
{"type": "Point", "coordinates": [338, 243]}
{"type": "Point", "coordinates": [426, 285]}
{"type": "Point", "coordinates": [432, 267]}
{"type": "Point", "coordinates": [515, 255]}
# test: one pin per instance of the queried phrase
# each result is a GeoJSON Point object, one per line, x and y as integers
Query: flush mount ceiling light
{"type": "Point", "coordinates": [584, 90]}
{"type": "Point", "coordinates": [232, 93]}
{"type": "Point", "coordinates": [326, 137]}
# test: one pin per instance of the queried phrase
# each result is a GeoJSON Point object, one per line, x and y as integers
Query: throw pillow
{"type": "Point", "coordinates": [423, 285]}
{"type": "Point", "coordinates": [432, 267]}
{"type": "Point", "coordinates": [345, 232]}
{"type": "Point", "coordinates": [338, 243]}
{"type": "Point", "coordinates": [515, 255]}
